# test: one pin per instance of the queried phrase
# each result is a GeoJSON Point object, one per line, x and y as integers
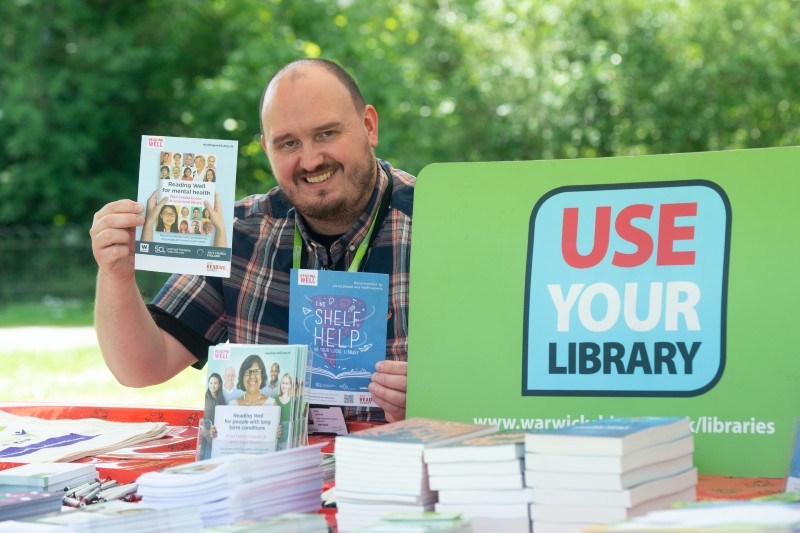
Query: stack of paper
{"type": "Point", "coordinates": [46, 476]}
{"type": "Point", "coordinates": [238, 486]}
{"type": "Point", "coordinates": [608, 470]}
{"type": "Point", "coordinates": [481, 478]}
{"type": "Point", "coordinates": [380, 471]}
{"type": "Point", "coordinates": [26, 439]}
{"type": "Point", "coordinates": [285, 523]}
{"type": "Point", "coordinates": [21, 503]}
{"type": "Point", "coordinates": [111, 516]}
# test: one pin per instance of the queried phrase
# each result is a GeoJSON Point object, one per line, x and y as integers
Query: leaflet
{"type": "Point", "coordinates": [187, 187]}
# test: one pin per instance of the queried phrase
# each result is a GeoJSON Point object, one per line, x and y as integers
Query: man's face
{"type": "Point", "coordinates": [320, 146]}
{"type": "Point", "coordinates": [199, 163]}
{"type": "Point", "coordinates": [187, 160]}
{"type": "Point", "coordinates": [274, 370]}
{"type": "Point", "coordinates": [227, 377]}
{"type": "Point", "coordinates": [176, 172]}
{"type": "Point", "coordinates": [212, 161]}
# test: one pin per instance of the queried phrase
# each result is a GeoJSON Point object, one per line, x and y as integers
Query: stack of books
{"type": "Point", "coordinates": [380, 471]}
{"type": "Point", "coordinates": [235, 487]}
{"type": "Point", "coordinates": [482, 479]}
{"type": "Point", "coordinates": [608, 470]}
{"type": "Point", "coordinates": [48, 477]}
{"type": "Point", "coordinates": [111, 516]}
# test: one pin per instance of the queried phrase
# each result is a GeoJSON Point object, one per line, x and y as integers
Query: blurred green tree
{"type": "Point", "coordinates": [456, 80]}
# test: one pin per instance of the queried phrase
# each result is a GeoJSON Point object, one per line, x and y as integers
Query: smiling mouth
{"type": "Point", "coordinates": [319, 179]}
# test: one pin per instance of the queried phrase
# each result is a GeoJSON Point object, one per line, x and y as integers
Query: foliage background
{"type": "Point", "coordinates": [453, 80]}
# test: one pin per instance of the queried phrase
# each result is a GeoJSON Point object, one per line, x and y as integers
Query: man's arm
{"type": "Point", "coordinates": [388, 388]}
{"type": "Point", "coordinates": [136, 351]}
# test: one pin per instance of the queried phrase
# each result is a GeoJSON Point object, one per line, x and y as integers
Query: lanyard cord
{"type": "Point", "coordinates": [355, 264]}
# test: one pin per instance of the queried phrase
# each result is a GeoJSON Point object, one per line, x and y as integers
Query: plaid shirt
{"type": "Point", "coordinates": [252, 305]}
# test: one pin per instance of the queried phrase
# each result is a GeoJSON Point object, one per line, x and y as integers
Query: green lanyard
{"type": "Point", "coordinates": [297, 251]}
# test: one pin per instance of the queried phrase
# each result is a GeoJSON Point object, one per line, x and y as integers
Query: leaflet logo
{"type": "Point", "coordinates": [155, 142]}
{"type": "Point", "coordinates": [213, 267]}
{"type": "Point", "coordinates": [144, 247]}
{"type": "Point", "coordinates": [626, 290]}
{"type": "Point", "coordinates": [160, 250]}
{"type": "Point", "coordinates": [222, 353]}
{"type": "Point", "coordinates": [307, 277]}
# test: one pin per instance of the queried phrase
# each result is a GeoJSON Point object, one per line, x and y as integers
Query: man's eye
{"type": "Point", "coordinates": [326, 134]}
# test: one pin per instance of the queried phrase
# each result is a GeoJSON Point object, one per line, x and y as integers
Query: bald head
{"type": "Point", "coordinates": [296, 70]}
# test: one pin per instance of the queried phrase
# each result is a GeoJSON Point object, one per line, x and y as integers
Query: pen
{"type": "Point", "coordinates": [72, 502]}
{"type": "Point", "coordinates": [91, 495]}
{"type": "Point", "coordinates": [108, 484]}
{"type": "Point", "coordinates": [86, 490]}
{"type": "Point", "coordinates": [116, 493]}
{"type": "Point", "coordinates": [72, 490]}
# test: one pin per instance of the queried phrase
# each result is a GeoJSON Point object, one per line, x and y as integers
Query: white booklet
{"type": "Point", "coordinates": [187, 187]}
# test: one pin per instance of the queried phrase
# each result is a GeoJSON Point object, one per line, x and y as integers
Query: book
{"type": "Point", "coordinates": [610, 436]}
{"type": "Point", "coordinates": [26, 439]}
{"type": "Point", "coordinates": [381, 470]}
{"type": "Point", "coordinates": [470, 496]}
{"type": "Point", "coordinates": [420, 522]}
{"type": "Point", "coordinates": [488, 481]}
{"type": "Point", "coordinates": [187, 186]}
{"type": "Point", "coordinates": [597, 514]}
{"type": "Point", "coordinates": [493, 447]}
{"type": "Point", "coordinates": [618, 498]}
{"type": "Point", "coordinates": [609, 464]}
{"type": "Point", "coordinates": [252, 399]}
{"type": "Point", "coordinates": [46, 476]}
{"type": "Point", "coordinates": [342, 318]}
{"type": "Point", "coordinates": [591, 481]}
{"type": "Point", "coordinates": [486, 510]}
{"type": "Point", "coordinates": [22, 503]}
{"type": "Point", "coordinates": [745, 516]}
{"type": "Point", "coordinates": [476, 468]}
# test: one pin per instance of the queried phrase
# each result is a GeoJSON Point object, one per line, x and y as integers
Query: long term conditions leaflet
{"type": "Point", "coordinates": [187, 187]}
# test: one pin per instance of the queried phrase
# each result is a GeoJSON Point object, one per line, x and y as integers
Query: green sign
{"type": "Point", "coordinates": [548, 292]}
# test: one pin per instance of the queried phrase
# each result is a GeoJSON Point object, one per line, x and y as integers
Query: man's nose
{"type": "Point", "coordinates": [311, 158]}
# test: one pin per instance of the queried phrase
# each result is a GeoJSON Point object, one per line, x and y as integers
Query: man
{"type": "Point", "coordinates": [319, 136]}
{"type": "Point", "coordinates": [273, 386]}
{"type": "Point", "coordinates": [229, 389]}
{"type": "Point", "coordinates": [199, 167]}
{"type": "Point", "coordinates": [212, 162]}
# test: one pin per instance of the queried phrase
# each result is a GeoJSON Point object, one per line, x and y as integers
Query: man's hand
{"type": "Point", "coordinates": [388, 388]}
{"type": "Point", "coordinates": [113, 235]}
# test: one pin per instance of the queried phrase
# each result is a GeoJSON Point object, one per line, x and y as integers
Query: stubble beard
{"type": "Point", "coordinates": [342, 208]}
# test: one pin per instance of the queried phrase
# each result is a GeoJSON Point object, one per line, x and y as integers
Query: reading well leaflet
{"type": "Point", "coordinates": [189, 185]}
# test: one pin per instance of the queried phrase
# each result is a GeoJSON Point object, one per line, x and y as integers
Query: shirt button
{"type": "Point", "coordinates": [352, 248]}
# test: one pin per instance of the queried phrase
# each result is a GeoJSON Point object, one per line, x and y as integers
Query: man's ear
{"type": "Point", "coordinates": [264, 144]}
{"type": "Point", "coordinates": [371, 125]}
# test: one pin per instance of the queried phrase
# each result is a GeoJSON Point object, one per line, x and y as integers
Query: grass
{"type": "Point", "coordinates": [49, 312]}
{"type": "Point", "coordinates": [42, 371]}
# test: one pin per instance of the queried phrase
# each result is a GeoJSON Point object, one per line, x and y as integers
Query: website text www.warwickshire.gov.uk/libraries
{"type": "Point", "coordinates": [701, 424]}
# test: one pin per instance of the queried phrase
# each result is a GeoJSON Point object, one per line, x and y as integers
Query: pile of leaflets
{"type": "Point", "coordinates": [236, 487]}
{"type": "Point", "coordinates": [25, 439]}
{"type": "Point", "coordinates": [22, 503]}
{"type": "Point", "coordinates": [48, 477]}
{"type": "Point", "coordinates": [111, 516]}
{"type": "Point", "coordinates": [254, 400]}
